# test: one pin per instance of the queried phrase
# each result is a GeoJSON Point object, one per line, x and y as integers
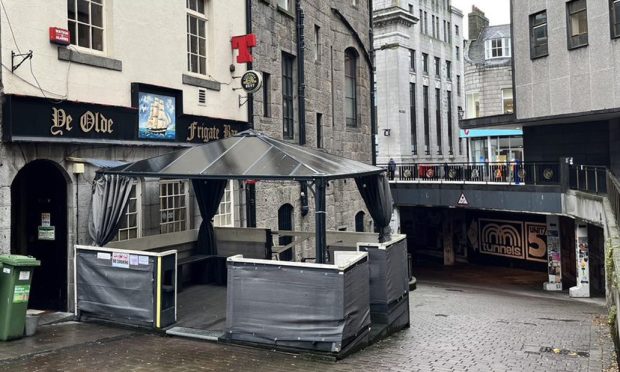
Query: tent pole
{"type": "Point", "coordinates": [319, 216]}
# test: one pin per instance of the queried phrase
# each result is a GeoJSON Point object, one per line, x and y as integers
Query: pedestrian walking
{"type": "Point", "coordinates": [391, 168]}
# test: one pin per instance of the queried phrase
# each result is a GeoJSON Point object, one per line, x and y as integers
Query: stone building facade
{"type": "Point", "coordinates": [119, 91]}
{"type": "Point", "coordinates": [326, 105]}
{"type": "Point", "coordinates": [419, 78]}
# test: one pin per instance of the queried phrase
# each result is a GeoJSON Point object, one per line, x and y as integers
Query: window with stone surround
{"type": "Point", "coordinates": [614, 17]}
{"type": "Point", "coordinates": [426, 121]}
{"type": "Point", "coordinates": [197, 36]}
{"type": "Point", "coordinates": [412, 60]}
{"type": "Point", "coordinates": [438, 118]}
{"type": "Point", "coordinates": [412, 119]}
{"type": "Point", "coordinates": [507, 101]}
{"type": "Point", "coordinates": [577, 27]}
{"type": "Point", "coordinates": [425, 63]}
{"type": "Point", "coordinates": [130, 226]}
{"type": "Point", "coordinates": [497, 48]}
{"type": "Point", "coordinates": [173, 205]}
{"type": "Point", "coordinates": [225, 216]}
{"type": "Point", "coordinates": [449, 103]}
{"type": "Point", "coordinates": [473, 104]}
{"type": "Point", "coordinates": [350, 87]}
{"type": "Point", "coordinates": [288, 119]}
{"type": "Point", "coordinates": [538, 35]}
{"type": "Point", "coordinates": [285, 4]}
{"type": "Point", "coordinates": [85, 23]}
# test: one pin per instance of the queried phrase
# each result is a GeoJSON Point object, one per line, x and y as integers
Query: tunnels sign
{"type": "Point", "coordinates": [513, 239]}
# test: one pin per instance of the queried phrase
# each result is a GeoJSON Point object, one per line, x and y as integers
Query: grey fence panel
{"type": "Point", "coordinates": [115, 293]}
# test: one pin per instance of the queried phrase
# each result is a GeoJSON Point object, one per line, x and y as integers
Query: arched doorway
{"type": "Point", "coordinates": [285, 223]}
{"type": "Point", "coordinates": [359, 221]}
{"type": "Point", "coordinates": [39, 229]}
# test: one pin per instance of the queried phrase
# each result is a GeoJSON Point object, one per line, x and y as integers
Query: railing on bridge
{"type": "Point", "coordinates": [588, 178]}
{"type": "Point", "coordinates": [515, 173]}
{"type": "Point", "coordinates": [613, 193]}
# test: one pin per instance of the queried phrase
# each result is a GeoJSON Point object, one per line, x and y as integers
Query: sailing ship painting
{"type": "Point", "coordinates": [157, 117]}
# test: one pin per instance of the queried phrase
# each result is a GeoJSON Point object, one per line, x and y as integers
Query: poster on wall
{"type": "Point", "coordinates": [536, 241]}
{"type": "Point", "coordinates": [513, 239]}
{"type": "Point", "coordinates": [157, 116]}
{"type": "Point", "coordinates": [554, 257]}
{"type": "Point", "coordinates": [501, 238]}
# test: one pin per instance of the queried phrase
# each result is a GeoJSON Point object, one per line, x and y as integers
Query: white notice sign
{"type": "Point", "coordinates": [104, 255]}
{"type": "Point", "coordinates": [143, 260]}
{"type": "Point", "coordinates": [120, 260]}
{"type": "Point", "coordinates": [24, 275]}
{"type": "Point", "coordinates": [462, 200]}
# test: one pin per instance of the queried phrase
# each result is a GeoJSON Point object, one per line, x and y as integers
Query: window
{"type": "Point", "coordinates": [426, 125]}
{"type": "Point", "coordinates": [458, 53]}
{"type": "Point", "coordinates": [458, 85]}
{"type": "Point", "coordinates": [507, 101]}
{"type": "Point", "coordinates": [449, 34]}
{"type": "Point", "coordinates": [456, 30]}
{"type": "Point", "coordinates": [410, 8]}
{"type": "Point", "coordinates": [284, 4]}
{"type": "Point", "coordinates": [497, 48]}
{"type": "Point", "coordinates": [449, 70]}
{"type": "Point", "coordinates": [425, 23]}
{"type": "Point", "coordinates": [285, 223]}
{"type": "Point", "coordinates": [350, 87]}
{"type": "Point", "coordinates": [173, 202]}
{"type": "Point", "coordinates": [266, 95]}
{"type": "Point", "coordinates": [433, 22]}
{"type": "Point", "coordinates": [354, 2]}
{"type": "Point", "coordinates": [196, 36]}
{"type": "Point", "coordinates": [319, 130]}
{"type": "Point", "coordinates": [438, 118]}
{"type": "Point", "coordinates": [449, 103]}
{"type": "Point", "coordinates": [130, 224]}
{"type": "Point", "coordinates": [85, 20]}
{"type": "Point", "coordinates": [421, 22]}
{"type": "Point", "coordinates": [614, 18]}
{"type": "Point", "coordinates": [577, 23]}
{"type": "Point", "coordinates": [225, 216]}
{"type": "Point", "coordinates": [359, 219]}
{"type": "Point", "coordinates": [437, 26]}
{"type": "Point", "coordinates": [445, 32]}
{"type": "Point", "coordinates": [412, 119]}
{"type": "Point", "coordinates": [317, 43]}
{"type": "Point", "coordinates": [437, 67]}
{"type": "Point", "coordinates": [287, 96]}
{"type": "Point", "coordinates": [473, 105]}
{"type": "Point", "coordinates": [425, 62]}
{"type": "Point", "coordinates": [538, 35]}
{"type": "Point", "coordinates": [411, 59]}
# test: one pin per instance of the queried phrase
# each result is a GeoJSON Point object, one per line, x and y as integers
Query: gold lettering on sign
{"type": "Point", "coordinates": [206, 134]}
{"type": "Point", "coordinates": [228, 131]}
{"type": "Point", "coordinates": [96, 121]}
{"type": "Point", "coordinates": [60, 121]}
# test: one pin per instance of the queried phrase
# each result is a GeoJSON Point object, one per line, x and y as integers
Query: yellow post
{"type": "Point", "coordinates": [158, 306]}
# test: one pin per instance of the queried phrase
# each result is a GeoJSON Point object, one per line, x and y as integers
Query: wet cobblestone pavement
{"type": "Point", "coordinates": [454, 327]}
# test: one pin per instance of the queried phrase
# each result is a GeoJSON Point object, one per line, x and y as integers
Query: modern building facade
{"type": "Point", "coordinates": [419, 78]}
{"type": "Point", "coordinates": [315, 57]}
{"type": "Point", "coordinates": [567, 81]}
{"type": "Point", "coordinates": [488, 90]}
{"type": "Point", "coordinates": [94, 97]}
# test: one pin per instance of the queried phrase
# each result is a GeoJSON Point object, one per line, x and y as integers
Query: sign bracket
{"type": "Point", "coordinates": [23, 56]}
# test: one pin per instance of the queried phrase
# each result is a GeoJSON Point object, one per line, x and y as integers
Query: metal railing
{"type": "Point", "coordinates": [588, 178]}
{"type": "Point", "coordinates": [613, 194]}
{"type": "Point", "coordinates": [515, 173]}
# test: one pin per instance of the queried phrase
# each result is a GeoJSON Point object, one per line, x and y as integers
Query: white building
{"type": "Point", "coordinates": [419, 80]}
{"type": "Point", "coordinates": [70, 109]}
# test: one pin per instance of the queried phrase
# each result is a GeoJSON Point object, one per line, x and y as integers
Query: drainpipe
{"type": "Point", "coordinates": [250, 189]}
{"type": "Point", "coordinates": [373, 113]}
{"type": "Point", "coordinates": [301, 97]}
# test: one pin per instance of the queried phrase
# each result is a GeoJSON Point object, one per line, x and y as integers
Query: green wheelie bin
{"type": "Point", "coordinates": [15, 278]}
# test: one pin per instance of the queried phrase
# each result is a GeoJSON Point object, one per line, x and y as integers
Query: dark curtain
{"type": "Point", "coordinates": [109, 200]}
{"type": "Point", "coordinates": [208, 196]}
{"type": "Point", "coordinates": [375, 191]}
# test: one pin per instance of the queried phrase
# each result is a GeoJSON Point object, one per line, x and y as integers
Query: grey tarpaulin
{"type": "Point", "coordinates": [119, 294]}
{"type": "Point", "coordinates": [296, 306]}
{"type": "Point", "coordinates": [375, 191]}
{"type": "Point", "coordinates": [110, 196]}
{"type": "Point", "coordinates": [389, 282]}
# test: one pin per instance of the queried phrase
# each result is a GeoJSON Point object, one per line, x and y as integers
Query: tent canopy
{"type": "Point", "coordinates": [247, 155]}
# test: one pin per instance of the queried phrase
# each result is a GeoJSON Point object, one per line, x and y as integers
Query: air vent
{"type": "Point", "coordinates": [202, 97]}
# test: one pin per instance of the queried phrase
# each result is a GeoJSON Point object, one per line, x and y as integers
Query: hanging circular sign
{"type": "Point", "coordinates": [251, 81]}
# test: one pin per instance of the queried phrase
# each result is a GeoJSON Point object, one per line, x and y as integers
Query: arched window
{"type": "Point", "coordinates": [359, 221]}
{"type": "Point", "coordinates": [285, 223]}
{"type": "Point", "coordinates": [350, 86]}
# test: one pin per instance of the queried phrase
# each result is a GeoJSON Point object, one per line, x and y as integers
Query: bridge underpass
{"type": "Point", "coordinates": [548, 228]}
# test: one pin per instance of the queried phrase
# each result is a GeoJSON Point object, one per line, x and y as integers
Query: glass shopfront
{"type": "Point", "coordinates": [486, 145]}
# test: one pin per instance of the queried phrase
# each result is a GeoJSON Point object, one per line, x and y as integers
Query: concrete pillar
{"type": "Point", "coordinates": [582, 289]}
{"type": "Point", "coordinates": [554, 255]}
{"type": "Point", "coordinates": [448, 233]}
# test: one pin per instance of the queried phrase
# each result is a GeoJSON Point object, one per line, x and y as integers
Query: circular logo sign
{"type": "Point", "coordinates": [251, 81]}
{"type": "Point", "coordinates": [430, 173]}
{"type": "Point", "coordinates": [548, 173]}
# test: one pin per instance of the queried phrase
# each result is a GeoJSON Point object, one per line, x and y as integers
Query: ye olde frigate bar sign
{"type": "Point", "coordinates": [155, 119]}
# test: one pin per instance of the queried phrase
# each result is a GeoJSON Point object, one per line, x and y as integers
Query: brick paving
{"type": "Point", "coordinates": [455, 327]}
